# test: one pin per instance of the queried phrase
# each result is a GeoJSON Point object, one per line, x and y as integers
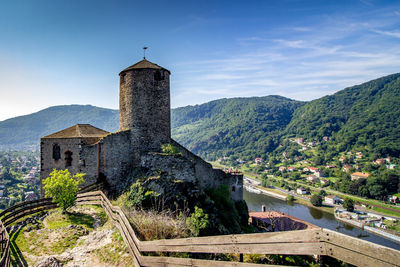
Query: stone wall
{"type": "Point", "coordinates": [116, 160]}
{"type": "Point", "coordinates": [174, 165]}
{"type": "Point", "coordinates": [48, 163]}
{"type": "Point", "coordinates": [209, 177]}
{"type": "Point", "coordinates": [145, 107]}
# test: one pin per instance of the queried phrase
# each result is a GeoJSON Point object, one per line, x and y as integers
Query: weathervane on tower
{"type": "Point", "coordinates": [144, 52]}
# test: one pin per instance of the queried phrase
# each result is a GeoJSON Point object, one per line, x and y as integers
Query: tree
{"type": "Point", "coordinates": [322, 193]}
{"type": "Point", "coordinates": [348, 204]}
{"type": "Point", "coordinates": [316, 200]}
{"type": "Point", "coordinates": [62, 187]}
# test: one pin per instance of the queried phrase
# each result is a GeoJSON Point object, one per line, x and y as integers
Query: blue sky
{"type": "Point", "coordinates": [55, 52]}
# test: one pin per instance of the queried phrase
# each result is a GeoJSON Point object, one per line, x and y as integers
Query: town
{"type": "Point", "coordinates": [359, 190]}
{"type": "Point", "coordinates": [19, 177]}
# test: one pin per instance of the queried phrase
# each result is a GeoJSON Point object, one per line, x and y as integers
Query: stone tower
{"type": "Point", "coordinates": [144, 105]}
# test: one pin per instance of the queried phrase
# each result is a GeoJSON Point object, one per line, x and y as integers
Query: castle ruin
{"type": "Point", "coordinates": [145, 125]}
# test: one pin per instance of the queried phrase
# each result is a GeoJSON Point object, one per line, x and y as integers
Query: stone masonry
{"type": "Point", "coordinates": [144, 126]}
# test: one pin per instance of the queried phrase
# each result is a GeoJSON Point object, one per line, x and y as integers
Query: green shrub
{"type": "Point", "coordinates": [170, 149]}
{"type": "Point", "coordinates": [348, 204]}
{"type": "Point", "coordinates": [290, 198]}
{"type": "Point", "coordinates": [316, 200]}
{"type": "Point", "coordinates": [62, 187]}
{"type": "Point", "coordinates": [197, 221]}
{"type": "Point", "coordinates": [138, 196]}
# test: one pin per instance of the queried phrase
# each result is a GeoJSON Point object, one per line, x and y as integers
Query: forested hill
{"type": "Point", "coordinates": [240, 126]}
{"type": "Point", "coordinates": [365, 117]}
{"type": "Point", "coordinates": [25, 131]}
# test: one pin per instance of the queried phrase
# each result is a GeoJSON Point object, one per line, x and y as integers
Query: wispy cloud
{"type": "Point", "coordinates": [389, 33]}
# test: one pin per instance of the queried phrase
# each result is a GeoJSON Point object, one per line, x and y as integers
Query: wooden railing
{"type": "Point", "coordinates": [318, 241]}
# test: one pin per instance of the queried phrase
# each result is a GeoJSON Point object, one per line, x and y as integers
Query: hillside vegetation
{"type": "Point", "coordinates": [365, 117]}
{"type": "Point", "coordinates": [240, 126]}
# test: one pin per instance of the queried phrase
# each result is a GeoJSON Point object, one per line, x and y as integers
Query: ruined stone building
{"type": "Point", "coordinates": [145, 124]}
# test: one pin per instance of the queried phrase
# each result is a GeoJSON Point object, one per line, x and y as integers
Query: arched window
{"type": "Point", "coordinates": [56, 152]}
{"type": "Point", "coordinates": [68, 158]}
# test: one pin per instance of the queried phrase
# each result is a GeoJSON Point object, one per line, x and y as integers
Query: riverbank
{"type": "Point", "coordinates": [276, 193]}
{"type": "Point", "coordinates": [376, 206]}
{"type": "Point", "coordinates": [373, 230]}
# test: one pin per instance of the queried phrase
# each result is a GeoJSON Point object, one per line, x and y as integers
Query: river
{"type": "Point", "coordinates": [312, 215]}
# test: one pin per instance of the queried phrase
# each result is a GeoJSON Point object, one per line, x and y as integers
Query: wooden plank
{"type": "Point", "coordinates": [129, 226]}
{"type": "Point", "coordinates": [172, 261]}
{"type": "Point", "coordinates": [22, 208]}
{"type": "Point", "coordinates": [89, 203]}
{"type": "Point", "coordinates": [360, 246]}
{"type": "Point", "coordinates": [29, 212]}
{"type": "Point", "coordinates": [87, 198]}
{"type": "Point", "coordinates": [314, 248]}
{"type": "Point", "coordinates": [10, 209]}
{"type": "Point", "coordinates": [129, 242]}
{"type": "Point", "coordinates": [262, 238]}
{"type": "Point", "coordinates": [92, 193]}
{"type": "Point", "coordinates": [358, 259]}
{"type": "Point", "coordinates": [136, 261]}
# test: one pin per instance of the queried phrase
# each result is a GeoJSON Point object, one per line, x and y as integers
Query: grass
{"type": "Point", "coordinates": [57, 220]}
{"type": "Point", "coordinates": [151, 225]}
{"type": "Point", "coordinates": [54, 237]}
{"type": "Point", "coordinates": [388, 212]}
{"type": "Point", "coordinates": [115, 253]}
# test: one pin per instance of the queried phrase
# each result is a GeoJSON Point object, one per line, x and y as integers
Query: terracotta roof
{"type": "Point", "coordinates": [144, 64]}
{"type": "Point", "coordinates": [79, 131]}
{"type": "Point", "coordinates": [361, 174]}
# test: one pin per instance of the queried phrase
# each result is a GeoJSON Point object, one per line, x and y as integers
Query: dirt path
{"type": "Point", "coordinates": [88, 248]}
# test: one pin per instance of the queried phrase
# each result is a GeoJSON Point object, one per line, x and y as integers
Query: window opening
{"type": "Point", "coordinates": [56, 152]}
{"type": "Point", "coordinates": [68, 159]}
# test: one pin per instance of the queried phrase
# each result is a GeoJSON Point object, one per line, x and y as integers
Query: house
{"type": "Point", "coordinates": [323, 181]}
{"type": "Point", "coordinates": [312, 178]}
{"type": "Point", "coordinates": [359, 155]}
{"type": "Point", "coordinates": [359, 175]}
{"type": "Point", "coordinates": [299, 140]}
{"type": "Point", "coordinates": [313, 170]}
{"type": "Point", "coordinates": [325, 138]}
{"type": "Point", "coordinates": [391, 166]}
{"type": "Point", "coordinates": [258, 160]}
{"type": "Point", "coordinates": [379, 162]}
{"type": "Point", "coordinates": [305, 169]}
{"type": "Point", "coordinates": [282, 168]}
{"type": "Point", "coordinates": [393, 199]}
{"type": "Point", "coordinates": [342, 158]}
{"type": "Point", "coordinates": [331, 199]}
{"type": "Point", "coordinates": [347, 167]}
{"type": "Point", "coordinates": [30, 195]}
{"type": "Point", "coordinates": [330, 166]}
{"type": "Point", "coordinates": [240, 161]}
{"type": "Point", "coordinates": [319, 174]}
{"type": "Point", "coordinates": [388, 159]}
{"type": "Point", "coordinates": [291, 169]}
{"type": "Point", "coordinates": [301, 191]}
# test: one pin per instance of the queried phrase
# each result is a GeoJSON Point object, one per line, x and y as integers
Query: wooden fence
{"type": "Point", "coordinates": [318, 241]}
